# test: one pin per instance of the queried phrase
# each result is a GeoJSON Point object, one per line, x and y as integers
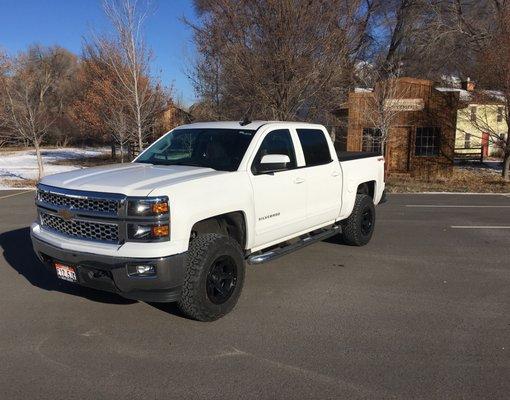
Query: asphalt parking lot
{"type": "Point", "coordinates": [422, 312]}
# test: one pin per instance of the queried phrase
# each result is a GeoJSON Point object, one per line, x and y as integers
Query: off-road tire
{"type": "Point", "coordinates": [204, 251]}
{"type": "Point", "coordinates": [353, 231]}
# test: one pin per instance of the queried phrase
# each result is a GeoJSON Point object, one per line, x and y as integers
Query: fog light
{"type": "Point", "coordinates": [141, 270]}
{"type": "Point", "coordinates": [160, 231]}
{"type": "Point", "coordinates": [144, 269]}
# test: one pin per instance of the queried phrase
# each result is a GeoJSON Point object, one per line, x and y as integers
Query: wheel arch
{"type": "Point", "coordinates": [367, 188]}
{"type": "Point", "coordinates": [232, 224]}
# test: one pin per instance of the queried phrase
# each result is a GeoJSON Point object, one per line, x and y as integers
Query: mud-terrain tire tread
{"type": "Point", "coordinates": [351, 227]}
{"type": "Point", "coordinates": [192, 302]}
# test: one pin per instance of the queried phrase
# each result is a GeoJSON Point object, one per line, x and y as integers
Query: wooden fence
{"type": "Point", "coordinates": [469, 153]}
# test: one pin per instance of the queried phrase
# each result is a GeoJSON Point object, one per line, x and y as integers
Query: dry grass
{"type": "Point", "coordinates": [463, 179]}
{"type": "Point", "coordinates": [14, 149]}
{"type": "Point", "coordinates": [18, 183]}
{"type": "Point", "coordinates": [103, 159]}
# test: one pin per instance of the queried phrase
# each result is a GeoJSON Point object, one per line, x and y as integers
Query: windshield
{"type": "Point", "coordinates": [220, 149]}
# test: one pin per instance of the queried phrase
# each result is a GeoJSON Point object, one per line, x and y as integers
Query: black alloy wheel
{"type": "Point", "coordinates": [367, 220]}
{"type": "Point", "coordinates": [358, 228]}
{"type": "Point", "coordinates": [221, 280]}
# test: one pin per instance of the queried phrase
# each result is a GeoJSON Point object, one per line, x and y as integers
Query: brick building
{"type": "Point", "coordinates": [421, 138]}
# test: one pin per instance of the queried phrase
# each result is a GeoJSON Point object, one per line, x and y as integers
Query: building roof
{"type": "Point", "coordinates": [477, 96]}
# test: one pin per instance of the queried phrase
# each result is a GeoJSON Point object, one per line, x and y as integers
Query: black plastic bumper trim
{"type": "Point", "coordinates": [109, 273]}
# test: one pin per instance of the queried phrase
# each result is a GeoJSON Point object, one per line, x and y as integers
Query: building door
{"type": "Point", "coordinates": [485, 144]}
{"type": "Point", "coordinates": [399, 148]}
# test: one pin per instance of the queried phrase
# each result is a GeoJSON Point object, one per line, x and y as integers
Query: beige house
{"type": "Point", "coordinates": [481, 120]}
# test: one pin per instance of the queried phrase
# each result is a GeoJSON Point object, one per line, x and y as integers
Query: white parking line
{"type": "Point", "coordinates": [17, 194]}
{"type": "Point", "coordinates": [451, 206]}
{"type": "Point", "coordinates": [479, 227]}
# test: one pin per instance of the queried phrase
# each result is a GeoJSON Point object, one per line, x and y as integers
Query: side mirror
{"type": "Point", "coordinates": [273, 163]}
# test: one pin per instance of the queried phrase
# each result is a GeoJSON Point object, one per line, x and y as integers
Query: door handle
{"type": "Point", "coordinates": [299, 180]}
{"type": "Point", "coordinates": [335, 173]}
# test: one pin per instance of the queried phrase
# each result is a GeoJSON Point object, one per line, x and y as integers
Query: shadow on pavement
{"type": "Point", "coordinates": [337, 239]}
{"type": "Point", "coordinates": [169, 308]}
{"type": "Point", "coordinates": [18, 252]}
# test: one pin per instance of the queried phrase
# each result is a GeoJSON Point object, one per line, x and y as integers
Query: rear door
{"type": "Point", "coordinates": [279, 197]}
{"type": "Point", "coordinates": [323, 177]}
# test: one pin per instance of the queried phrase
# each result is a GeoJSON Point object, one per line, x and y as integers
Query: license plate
{"type": "Point", "coordinates": [65, 272]}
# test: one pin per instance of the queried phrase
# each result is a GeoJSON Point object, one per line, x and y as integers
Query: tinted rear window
{"type": "Point", "coordinates": [315, 146]}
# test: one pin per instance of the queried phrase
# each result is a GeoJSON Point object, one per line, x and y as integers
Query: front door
{"type": "Point", "coordinates": [485, 144]}
{"type": "Point", "coordinates": [399, 146]}
{"type": "Point", "coordinates": [280, 197]}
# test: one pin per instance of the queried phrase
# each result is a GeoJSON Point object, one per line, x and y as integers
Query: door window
{"type": "Point", "coordinates": [276, 142]}
{"type": "Point", "coordinates": [315, 147]}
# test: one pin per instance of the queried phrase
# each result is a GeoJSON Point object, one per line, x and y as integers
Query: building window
{"type": "Point", "coordinates": [500, 114]}
{"type": "Point", "coordinates": [467, 141]}
{"type": "Point", "coordinates": [427, 141]}
{"type": "Point", "coordinates": [473, 114]}
{"type": "Point", "coordinates": [372, 140]}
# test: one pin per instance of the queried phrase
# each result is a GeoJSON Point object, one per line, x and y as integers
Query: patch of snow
{"type": "Point", "coordinates": [464, 95]}
{"type": "Point", "coordinates": [21, 165]}
{"type": "Point", "coordinates": [363, 90]}
{"type": "Point", "coordinates": [478, 95]}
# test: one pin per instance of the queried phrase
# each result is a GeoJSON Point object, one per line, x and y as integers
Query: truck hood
{"type": "Point", "coordinates": [134, 179]}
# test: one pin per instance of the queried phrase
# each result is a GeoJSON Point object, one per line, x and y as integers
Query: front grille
{"type": "Point", "coordinates": [105, 232]}
{"type": "Point", "coordinates": [106, 206]}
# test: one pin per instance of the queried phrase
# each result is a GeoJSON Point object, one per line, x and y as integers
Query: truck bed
{"type": "Point", "coordinates": [355, 155]}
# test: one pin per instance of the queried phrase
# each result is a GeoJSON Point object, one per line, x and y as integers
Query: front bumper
{"type": "Point", "coordinates": [109, 273]}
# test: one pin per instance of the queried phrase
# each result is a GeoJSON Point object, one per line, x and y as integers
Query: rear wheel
{"type": "Point", "coordinates": [214, 277]}
{"type": "Point", "coordinates": [357, 230]}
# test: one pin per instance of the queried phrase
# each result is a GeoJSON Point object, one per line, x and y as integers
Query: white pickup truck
{"type": "Point", "coordinates": [180, 221]}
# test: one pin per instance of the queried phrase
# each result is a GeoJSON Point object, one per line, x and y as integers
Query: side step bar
{"type": "Point", "coordinates": [259, 258]}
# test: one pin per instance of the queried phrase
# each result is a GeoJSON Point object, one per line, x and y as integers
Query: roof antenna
{"type": "Point", "coordinates": [246, 117]}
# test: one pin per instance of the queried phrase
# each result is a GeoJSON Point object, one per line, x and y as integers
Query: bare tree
{"type": "Point", "coordinates": [494, 67]}
{"type": "Point", "coordinates": [29, 96]}
{"type": "Point", "coordinates": [382, 108]}
{"type": "Point", "coordinates": [132, 67]}
{"type": "Point", "coordinates": [480, 32]}
{"type": "Point", "coordinates": [102, 104]}
{"type": "Point", "coordinates": [278, 59]}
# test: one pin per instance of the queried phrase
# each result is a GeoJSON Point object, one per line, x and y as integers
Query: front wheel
{"type": "Point", "coordinates": [214, 277]}
{"type": "Point", "coordinates": [357, 230]}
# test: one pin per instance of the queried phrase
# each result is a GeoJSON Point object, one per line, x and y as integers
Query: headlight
{"type": "Point", "coordinates": [148, 219]}
{"type": "Point", "coordinates": [147, 207]}
{"type": "Point", "coordinates": [148, 232]}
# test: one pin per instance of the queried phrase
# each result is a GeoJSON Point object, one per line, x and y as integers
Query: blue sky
{"type": "Point", "coordinates": [65, 22]}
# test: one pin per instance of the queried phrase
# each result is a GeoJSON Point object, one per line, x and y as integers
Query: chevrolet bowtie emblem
{"type": "Point", "coordinates": [65, 214]}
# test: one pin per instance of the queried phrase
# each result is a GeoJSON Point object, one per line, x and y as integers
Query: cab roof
{"type": "Point", "coordinates": [253, 125]}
